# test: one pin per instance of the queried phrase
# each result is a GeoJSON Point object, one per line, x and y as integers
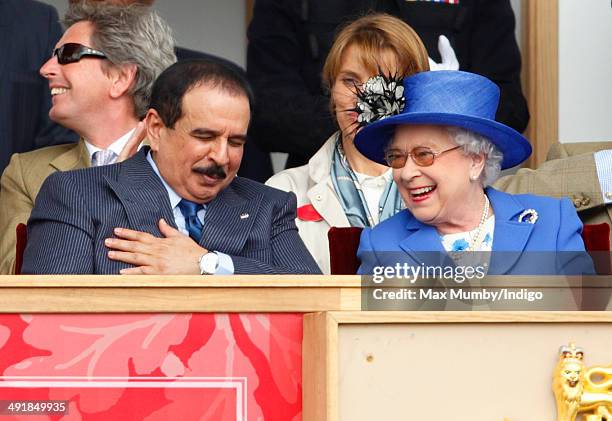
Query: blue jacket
{"type": "Point", "coordinates": [551, 245]}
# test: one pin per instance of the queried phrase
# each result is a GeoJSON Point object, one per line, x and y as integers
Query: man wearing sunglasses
{"type": "Point", "coordinates": [100, 76]}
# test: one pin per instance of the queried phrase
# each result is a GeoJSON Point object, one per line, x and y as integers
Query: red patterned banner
{"type": "Point", "coordinates": [151, 367]}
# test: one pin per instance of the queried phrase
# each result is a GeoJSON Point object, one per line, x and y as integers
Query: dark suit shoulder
{"type": "Point", "coordinates": [32, 5]}
{"type": "Point", "coordinates": [88, 179]}
{"type": "Point", "coordinates": [96, 173]}
{"type": "Point", "coordinates": [32, 10]}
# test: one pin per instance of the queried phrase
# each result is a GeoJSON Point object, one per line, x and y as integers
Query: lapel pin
{"type": "Point", "coordinates": [530, 216]}
{"type": "Point", "coordinates": [244, 215]}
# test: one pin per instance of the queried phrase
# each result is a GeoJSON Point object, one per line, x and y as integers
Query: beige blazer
{"type": "Point", "coordinates": [571, 173]}
{"type": "Point", "coordinates": [312, 185]}
{"type": "Point", "coordinates": [20, 184]}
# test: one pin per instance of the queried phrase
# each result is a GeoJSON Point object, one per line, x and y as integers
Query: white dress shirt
{"type": "Point", "coordinates": [373, 188]}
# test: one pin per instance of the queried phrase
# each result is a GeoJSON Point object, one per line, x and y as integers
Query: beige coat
{"type": "Point", "coordinates": [570, 172]}
{"type": "Point", "coordinates": [20, 184]}
{"type": "Point", "coordinates": [312, 184]}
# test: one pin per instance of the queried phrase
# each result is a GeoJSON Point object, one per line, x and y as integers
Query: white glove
{"type": "Point", "coordinates": [449, 59]}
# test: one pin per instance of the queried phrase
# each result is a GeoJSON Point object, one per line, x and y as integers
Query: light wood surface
{"type": "Point", "coordinates": [540, 55]}
{"type": "Point", "coordinates": [319, 370]}
{"type": "Point", "coordinates": [256, 293]}
{"type": "Point", "coordinates": [262, 281]}
{"type": "Point", "coordinates": [121, 294]}
{"type": "Point", "coordinates": [254, 281]}
{"type": "Point", "coordinates": [377, 317]}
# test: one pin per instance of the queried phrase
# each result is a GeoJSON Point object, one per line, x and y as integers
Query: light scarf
{"type": "Point", "coordinates": [351, 196]}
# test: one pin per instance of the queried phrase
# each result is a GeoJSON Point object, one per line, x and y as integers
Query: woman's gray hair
{"type": "Point", "coordinates": [133, 34]}
{"type": "Point", "coordinates": [475, 144]}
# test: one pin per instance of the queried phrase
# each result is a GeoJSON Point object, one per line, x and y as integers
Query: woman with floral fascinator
{"type": "Point", "coordinates": [340, 187]}
{"type": "Point", "coordinates": [445, 147]}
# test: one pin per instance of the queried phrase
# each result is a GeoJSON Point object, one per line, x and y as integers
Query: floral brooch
{"type": "Point", "coordinates": [530, 216]}
{"type": "Point", "coordinates": [380, 97]}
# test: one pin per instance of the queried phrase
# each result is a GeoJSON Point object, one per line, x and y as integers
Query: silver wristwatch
{"type": "Point", "coordinates": [209, 262]}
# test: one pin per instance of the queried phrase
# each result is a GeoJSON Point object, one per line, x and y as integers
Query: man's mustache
{"type": "Point", "coordinates": [212, 170]}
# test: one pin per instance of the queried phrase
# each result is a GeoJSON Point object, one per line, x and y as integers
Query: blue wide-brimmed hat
{"type": "Point", "coordinates": [448, 98]}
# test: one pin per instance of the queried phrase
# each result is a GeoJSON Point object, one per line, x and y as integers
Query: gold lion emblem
{"type": "Point", "coordinates": [577, 390]}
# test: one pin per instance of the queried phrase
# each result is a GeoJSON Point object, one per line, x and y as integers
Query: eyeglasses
{"type": "Point", "coordinates": [73, 52]}
{"type": "Point", "coordinates": [421, 155]}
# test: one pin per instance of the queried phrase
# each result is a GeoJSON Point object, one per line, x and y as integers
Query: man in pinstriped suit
{"type": "Point", "coordinates": [178, 207]}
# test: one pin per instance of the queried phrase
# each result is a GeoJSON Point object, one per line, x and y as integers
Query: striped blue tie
{"type": "Point", "coordinates": [192, 222]}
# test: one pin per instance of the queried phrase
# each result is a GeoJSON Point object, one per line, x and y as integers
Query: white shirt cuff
{"type": "Point", "coordinates": [226, 264]}
{"type": "Point", "coordinates": [603, 164]}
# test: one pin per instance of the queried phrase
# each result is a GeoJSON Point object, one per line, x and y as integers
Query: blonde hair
{"type": "Point", "coordinates": [373, 35]}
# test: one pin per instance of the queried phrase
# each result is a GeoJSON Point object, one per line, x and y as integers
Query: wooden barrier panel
{"type": "Point", "coordinates": [159, 348]}
{"type": "Point", "coordinates": [442, 365]}
{"type": "Point", "coordinates": [112, 294]}
{"type": "Point", "coordinates": [274, 348]}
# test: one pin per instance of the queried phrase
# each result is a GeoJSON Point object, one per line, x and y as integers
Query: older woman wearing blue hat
{"type": "Point", "coordinates": [437, 131]}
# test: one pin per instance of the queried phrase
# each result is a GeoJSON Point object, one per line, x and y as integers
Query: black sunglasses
{"type": "Point", "coordinates": [73, 52]}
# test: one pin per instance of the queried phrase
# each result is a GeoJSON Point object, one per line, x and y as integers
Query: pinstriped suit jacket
{"type": "Point", "coordinates": [76, 210]}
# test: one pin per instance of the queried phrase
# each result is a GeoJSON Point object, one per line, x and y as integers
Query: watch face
{"type": "Point", "coordinates": [209, 263]}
